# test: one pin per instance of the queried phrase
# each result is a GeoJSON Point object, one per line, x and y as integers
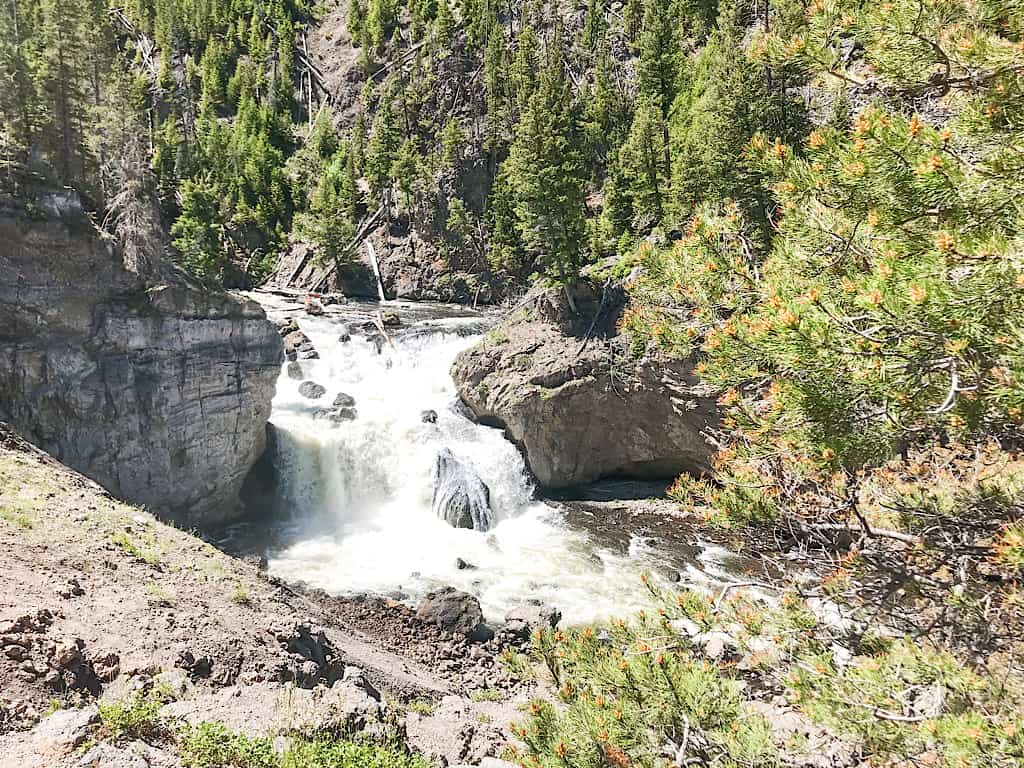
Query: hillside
{"type": "Point", "coordinates": [475, 144]}
{"type": "Point", "coordinates": [102, 600]}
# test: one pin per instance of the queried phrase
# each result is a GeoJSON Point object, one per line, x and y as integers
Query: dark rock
{"type": "Point", "coordinates": [451, 610]}
{"type": "Point", "coordinates": [295, 371]}
{"type": "Point", "coordinates": [312, 390]}
{"type": "Point", "coordinates": [356, 677]}
{"type": "Point", "coordinates": [71, 589]}
{"type": "Point", "coordinates": [345, 338]}
{"type": "Point", "coordinates": [344, 401]}
{"type": "Point", "coordinates": [196, 666]}
{"type": "Point", "coordinates": [317, 659]}
{"type": "Point", "coordinates": [462, 565]}
{"type": "Point", "coordinates": [297, 346]}
{"type": "Point", "coordinates": [482, 634]}
{"type": "Point", "coordinates": [429, 417]}
{"type": "Point", "coordinates": [461, 498]}
{"type": "Point", "coordinates": [336, 415]}
{"type": "Point", "coordinates": [313, 305]}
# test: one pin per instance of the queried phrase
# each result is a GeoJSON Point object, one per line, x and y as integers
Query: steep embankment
{"type": "Point", "coordinates": [158, 390]}
{"type": "Point", "coordinates": [568, 390]}
{"type": "Point", "coordinates": [419, 258]}
{"type": "Point", "coordinates": [99, 599]}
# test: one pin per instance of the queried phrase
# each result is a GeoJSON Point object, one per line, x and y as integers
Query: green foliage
{"type": "Point", "coordinates": [545, 176]}
{"type": "Point", "coordinates": [211, 745]}
{"type": "Point", "coordinates": [643, 163]}
{"type": "Point", "coordinates": [421, 706]}
{"type": "Point", "coordinates": [640, 693]}
{"type": "Point", "coordinates": [727, 99]}
{"type": "Point", "coordinates": [344, 754]}
{"type": "Point", "coordinates": [136, 718]}
{"type": "Point", "coordinates": [658, 70]}
{"type": "Point", "coordinates": [888, 313]}
{"type": "Point", "coordinates": [631, 689]}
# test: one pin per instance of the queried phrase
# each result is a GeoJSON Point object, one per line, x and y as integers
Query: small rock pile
{"type": "Point", "coordinates": [29, 656]}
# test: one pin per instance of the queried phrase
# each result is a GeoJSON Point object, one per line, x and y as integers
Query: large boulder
{"type": "Point", "coordinates": [150, 384]}
{"type": "Point", "coordinates": [461, 498]}
{"type": "Point", "coordinates": [569, 391]}
{"type": "Point", "coordinates": [451, 610]}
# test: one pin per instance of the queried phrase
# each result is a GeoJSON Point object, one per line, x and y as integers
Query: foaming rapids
{"type": "Point", "coordinates": [356, 497]}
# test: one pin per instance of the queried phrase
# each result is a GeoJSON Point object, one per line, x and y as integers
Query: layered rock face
{"type": "Point", "coordinates": [566, 388]}
{"type": "Point", "coordinates": [159, 390]}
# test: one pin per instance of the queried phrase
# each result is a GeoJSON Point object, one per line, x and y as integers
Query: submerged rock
{"type": "Point", "coordinates": [568, 390]}
{"type": "Point", "coordinates": [344, 401]}
{"type": "Point", "coordinates": [312, 390]}
{"type": "Point", "coordinates": [461, 498]}
{"type": "Point", "coordinates": [297, 346]}
{"type": "Point", "coordinates": [535, 616]}
{"type": "Point", "coordinates": [295, 371]}
{"type": "Point", "coordinates": [336, 415]}
{"type": "Point", "coordinates": [429, 417]}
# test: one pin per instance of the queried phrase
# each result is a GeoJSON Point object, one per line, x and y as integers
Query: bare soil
{"type": "Point", "coordinates": [99, 599]}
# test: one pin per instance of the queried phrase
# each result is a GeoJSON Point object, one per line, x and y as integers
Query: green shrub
{"type": "Point", "coordinates": [347, 754]}
{"type": "Point", "coordinates": [137, 718]}
{"type": "Point", "coordinates": [211, 745]}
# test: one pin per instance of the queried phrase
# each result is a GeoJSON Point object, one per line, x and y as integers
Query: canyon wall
{"type": "Point", "coordinates": [156, 388]}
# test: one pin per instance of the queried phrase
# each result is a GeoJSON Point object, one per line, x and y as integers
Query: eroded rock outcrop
{"type": "Point", "coordinates": [158, 390]}
{"type": "Point", "coordinates": [566, 388]}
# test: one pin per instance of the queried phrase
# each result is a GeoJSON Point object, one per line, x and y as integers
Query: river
{"type": "Point", "coordinates": [353, 512]}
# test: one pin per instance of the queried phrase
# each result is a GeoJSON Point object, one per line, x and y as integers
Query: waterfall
{"type": "Point", "coordinates": [363, 500]}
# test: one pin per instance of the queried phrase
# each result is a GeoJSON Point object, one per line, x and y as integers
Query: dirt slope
{"type": "Point", "coordinates": [99, 599]}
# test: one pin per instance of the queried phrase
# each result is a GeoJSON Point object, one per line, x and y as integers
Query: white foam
{"type": "Point", "coordinates": [360, 492]}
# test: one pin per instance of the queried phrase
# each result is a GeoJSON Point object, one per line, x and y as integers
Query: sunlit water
{"type": "Point", "coordinates": [354, 500]}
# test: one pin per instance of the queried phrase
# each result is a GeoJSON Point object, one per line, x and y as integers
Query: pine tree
{"type": "Point", "coordinates": [642, 159]}
{"type": "Point", "coordinates": [199, 232]}
{"type": "Point", "coordinates": [660, 55]}
{"type": "Point", "coordinates": [21, 106]}
{"type": "Point", "coordinates": [356, 20]}
{"type": "Point", "coordinates": [384, 144]}
{"type": "Point", "coordinates": [381, 21]}
{"type": "Point", "coordinates": [444, 25]}
{"type": "Point", "coordinates": [525, 66]}
{"type": "Point", "coordinates": [604, 110]}
{"type": "Point", "coordinates": [592, 36]}
{"type": "Point", "coordinates": [453, 141]}
{"type": "Point", "coordinates": [633, 18]}
{"type": "Point", "coordinates": [545, 174]}
{"type": "Point", "coordinates": [726, 103]}
{"type": "Point", "coordinates": [63, 79]}
{"type": "Point", "coordinates": [495, 89]}
{"type": "Point", "coordinates": [331, 220]}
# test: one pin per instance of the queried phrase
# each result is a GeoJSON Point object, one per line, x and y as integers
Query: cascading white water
{"type": "Point", "coordinates": [357, 494]}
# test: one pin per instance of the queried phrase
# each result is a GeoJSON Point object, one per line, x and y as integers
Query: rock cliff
{"type": "Point", "coordinates": [566, 388]}
{"type": "Point", "coordinates": [158, 390]}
